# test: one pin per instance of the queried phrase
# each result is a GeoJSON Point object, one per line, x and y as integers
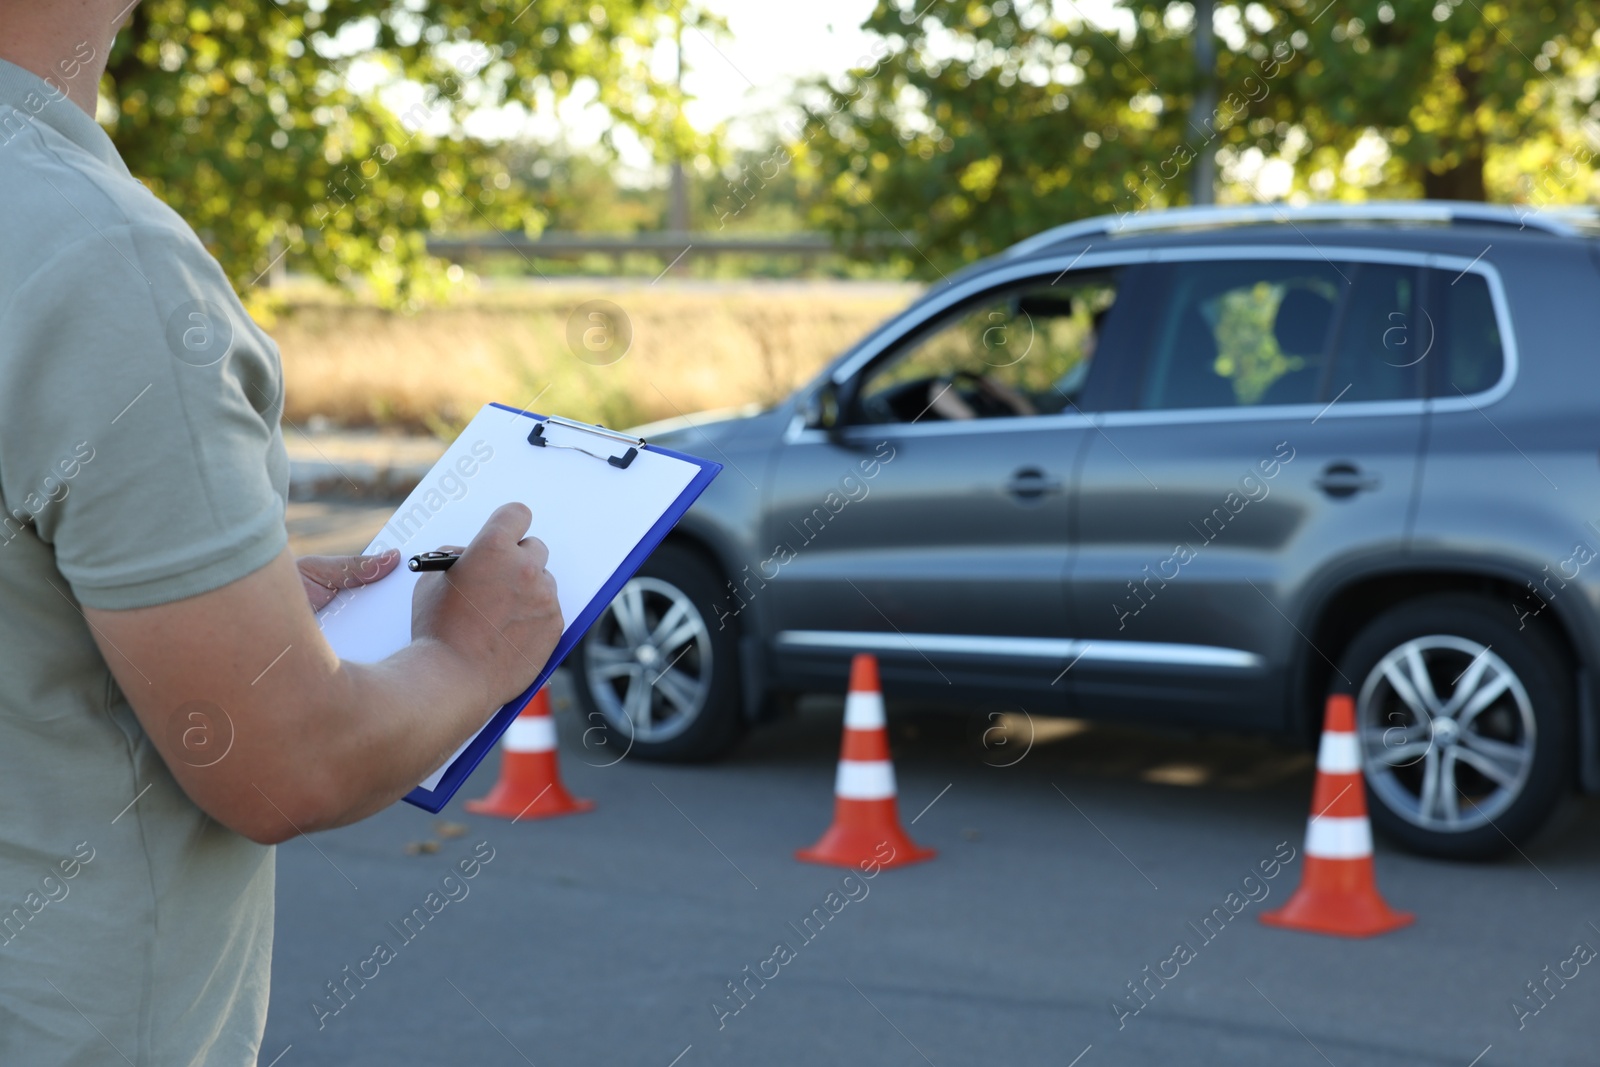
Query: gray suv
{"type": "Point", "coordinates": [1197, 468]}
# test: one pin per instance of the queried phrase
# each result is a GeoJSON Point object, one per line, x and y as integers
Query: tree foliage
{"type": "Point", "coordinates": [1458, 91]}
{"type": "Point", "coordinates": [976, 123]}
{"type": "Point", "coordinates": [282, 129]}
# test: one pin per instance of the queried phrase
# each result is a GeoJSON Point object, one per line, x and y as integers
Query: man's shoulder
{"type": "Point", "coordinates": [58, 193]}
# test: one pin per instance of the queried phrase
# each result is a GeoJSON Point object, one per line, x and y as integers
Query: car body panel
{"type": "Point", "coordinates": [936, 543]}
{"type": "Point", "coordinates": [1513, 485]}
{"type": "Point", "coordinates": [1209, 527]}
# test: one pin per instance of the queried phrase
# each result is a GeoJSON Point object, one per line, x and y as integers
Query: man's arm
{"type": "Point", "coordinates": [318, 742]}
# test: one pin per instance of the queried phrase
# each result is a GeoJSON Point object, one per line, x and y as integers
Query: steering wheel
{"type": "Point", "coordinates": [900, 402]}
{"type": "Point", "coordinates": [984, 398]}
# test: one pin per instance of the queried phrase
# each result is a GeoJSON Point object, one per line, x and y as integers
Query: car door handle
{"type": "Point", "coordinates": [1031, 483]}
{"type": "Point", "coordinates": [1340, 480]}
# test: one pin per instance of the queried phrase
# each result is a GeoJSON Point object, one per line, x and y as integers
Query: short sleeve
{"type": "Point", "coordinates": [139, 420]}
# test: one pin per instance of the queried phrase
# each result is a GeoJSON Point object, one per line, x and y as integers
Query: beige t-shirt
{"type": "Point", "coordinates": [140, 463]}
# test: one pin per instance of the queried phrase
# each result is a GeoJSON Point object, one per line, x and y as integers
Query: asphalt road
{"type": "Point", "coordinates": [606, 938]}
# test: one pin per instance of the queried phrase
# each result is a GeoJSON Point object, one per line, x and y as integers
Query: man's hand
{"type": "Point", "coordinates": [497, 606]}
{"type": "Point", "coordinates": [317, 741]}
{"type": "Point", "coordinates": [324, 576]}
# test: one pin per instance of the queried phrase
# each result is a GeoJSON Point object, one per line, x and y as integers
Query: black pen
{"type": "Point", "coordinates": [434, 561]}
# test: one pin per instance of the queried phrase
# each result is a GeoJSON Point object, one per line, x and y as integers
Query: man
{"type": "Point", "coordinates": [168, 707]}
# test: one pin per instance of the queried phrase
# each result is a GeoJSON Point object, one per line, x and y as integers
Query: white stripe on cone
{"type": "Point", "coordinates": [1339, 838]}
{"type": "Point", "coordinates": [864, 779]}
{"type": "Point", "coordinates": [1338, 754]}
{"type": "Point", "coordinates": [531, 733]}
{"type": "Point", "coordinates": [863, 711]}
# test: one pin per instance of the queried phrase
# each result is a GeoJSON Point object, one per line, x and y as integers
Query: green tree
{"type": "Point", "coordinates": [1472, 99]}
{"type": "Point", "coordinates": [977, 123]}
{"type": "Point", "coordinates": [272, 126]}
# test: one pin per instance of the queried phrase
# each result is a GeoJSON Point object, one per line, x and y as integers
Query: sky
{"type": "Point", "coordinates": [744, 77]}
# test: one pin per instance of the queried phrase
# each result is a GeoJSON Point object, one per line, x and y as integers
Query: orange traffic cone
{"type": "Point", "coordinates": [1338, 894]}
{"type": "Point", "coordinates": [866, 820]}
{"type": "Point", "coordinates": [530, 782]}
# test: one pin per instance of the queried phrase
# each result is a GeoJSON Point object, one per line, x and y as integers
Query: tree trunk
{"type": "Point", "coordinates": [1464, 181]}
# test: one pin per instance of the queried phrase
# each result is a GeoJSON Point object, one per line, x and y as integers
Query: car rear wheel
{"type": "Point", "coordinates": [657, 677]}
{"type": "Point", "coordinates": [1464, 724]}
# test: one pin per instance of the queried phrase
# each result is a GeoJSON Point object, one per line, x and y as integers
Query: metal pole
{"type": "Point", "coordinates": [678, 196]}
{"type": "Point", "coordinates": [1202, 114]}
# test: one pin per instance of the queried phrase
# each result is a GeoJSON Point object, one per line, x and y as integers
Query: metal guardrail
{"type": "Point", "coordinates": [558, 244]}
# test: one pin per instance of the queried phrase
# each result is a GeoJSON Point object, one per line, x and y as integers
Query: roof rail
{"type": "Point", "coordinates": [1562, 221]}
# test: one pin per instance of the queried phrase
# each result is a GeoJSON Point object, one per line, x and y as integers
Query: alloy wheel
{"type": "Point", "coordinates": [647, 661]}
{"type": "Point", "coordinates": [1447, 733]}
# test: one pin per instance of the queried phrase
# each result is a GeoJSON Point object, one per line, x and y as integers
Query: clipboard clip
{"type": "Point", "coordinates": [538, 439]}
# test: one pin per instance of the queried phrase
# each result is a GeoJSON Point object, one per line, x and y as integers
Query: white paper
{"type": "Point", "coordinates": [590, 514]}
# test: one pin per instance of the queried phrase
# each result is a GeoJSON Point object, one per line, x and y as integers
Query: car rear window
{"type": "Point", "coordinates": [1383, 337]}
{"type": "Point", "coordinates": [1470, 333]}
{"type": "Point", "coordinates": [1240, 333]}
{"type": "Point", "coordinates": [1259, 333]}
{"type": "Point", "coordinates": [1255, 333]}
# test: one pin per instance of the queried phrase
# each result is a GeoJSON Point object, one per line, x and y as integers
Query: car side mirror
{"type": "Point", "coordinates": [811, 409]}
{"type": "Point", "coordinates": [824, 409]}
{"type": "Point", "coordinates": [820, 409]}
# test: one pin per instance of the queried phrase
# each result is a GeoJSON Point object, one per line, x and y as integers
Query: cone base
{"type": "Point", "coordinates": [1340, 898]}
{"type": "Point", "coordinates": [847, 850]}
{"type": "Point", "coordinates": [518, 803]}
{"type": "Point", "coordinates": [860, 830]}
{"type": "Point", "coordinates": [545, 809]}
{"type": "Point", "coordinates": [1320, 914]}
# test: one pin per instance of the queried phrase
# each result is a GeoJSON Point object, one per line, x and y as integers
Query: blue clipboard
{"type": "Point", "coordinates": [462, 767]}
{"type": "Point", "coordinates": [353, 628]}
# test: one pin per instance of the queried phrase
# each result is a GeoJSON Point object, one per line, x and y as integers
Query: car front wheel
{"type": "Point", "coordinates": [1464, 724]}
{"type": "Point", "coordinates": [657, 677]}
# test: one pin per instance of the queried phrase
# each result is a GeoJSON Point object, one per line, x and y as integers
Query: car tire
{"type": "Point", "coordinates": [1465, 725]}
{"type": "Point", "coordinates": [660, 640]}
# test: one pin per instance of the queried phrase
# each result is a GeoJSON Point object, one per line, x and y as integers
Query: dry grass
{"type": "Point", "coordinates": [693, 348]}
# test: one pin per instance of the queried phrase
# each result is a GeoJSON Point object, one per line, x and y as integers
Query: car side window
{"type": "Point", "coordinates": [1474, 355]}
{"type": "Point", "coordinates": [1021, 350]}
{"type": "Point", "coordinates": [1235, 333]}
{"type": "Point", "coordinates": [1383, 337]}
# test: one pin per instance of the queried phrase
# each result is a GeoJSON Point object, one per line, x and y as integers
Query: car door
{"type": "Point", "coordinates": [929, 523]}
{"type": "Point", "coordinates": [1272, 431]}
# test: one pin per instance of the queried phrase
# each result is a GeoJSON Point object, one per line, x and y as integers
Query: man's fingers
{"type": "Point", "coordinates": [536, 550]}
{"type": "Point", "coordinates": [348, 572]}
{"type": "Point", "coordinates": [359, 570]}
{"type": "Point", "coordinates": [509, 521]}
